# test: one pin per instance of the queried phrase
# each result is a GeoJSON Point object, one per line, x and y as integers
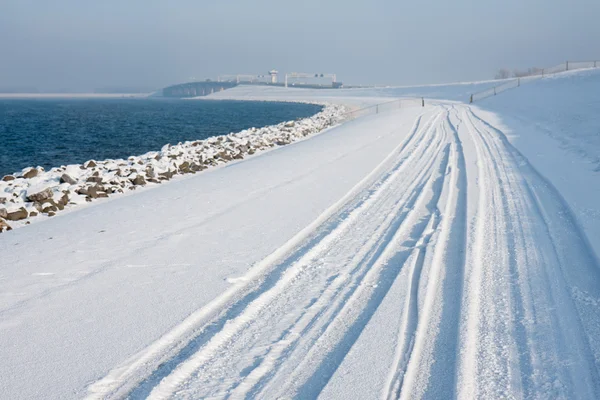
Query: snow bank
{"type": "Point", "coordinates": [555, 123]}
{"type": "Point", "coordinates": [34, 192]}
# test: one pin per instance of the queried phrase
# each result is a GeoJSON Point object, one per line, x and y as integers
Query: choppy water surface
{"type": "Point", "coordinates": [53, 132]}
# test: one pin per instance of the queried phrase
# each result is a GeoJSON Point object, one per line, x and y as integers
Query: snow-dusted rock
{"type": "Point", "coordinates": [4, 227]}
{"type": "Point", "coordinates": [66, 178]}
{"type": "Point", "coordinates": [30, 173]}
{"type": "Point", "coordinates": [36, 195]}
{"type": "Point", "coordinates": [17, 215]}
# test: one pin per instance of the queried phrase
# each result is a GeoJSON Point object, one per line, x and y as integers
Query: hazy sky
{"type": "Point", "coordinates": [86, 44]}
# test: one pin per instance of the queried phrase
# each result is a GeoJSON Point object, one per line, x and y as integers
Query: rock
{"type": "Point", "coordinates": [33, 214]}
{"type": "Point", "coordinates": [67, 179]}
{"type": "Point", "coordinates": [90, 164]}
{"type": "Point", "coordinates": [290, 124]}
{"type": "Point", "coordinates": [49, 207]}
{"type": "Point", "coordinates": [184, 167]}
{"type": "Point", "coordinates": [102, 194]}
{"type": "Point", "coordinates": [64, 200]}
{"type": "Point", "coordinates": [90, 192]}
{"type": "Point", "coordinates": [7, 178]}
{"type": "Point", "coordinates": [4, 227]}
{"type": "Point", "coordinates": [30, 173]}
{"type": "Point", "coordinates": [3, 213]}
{"type": "Point", "coordinates": [58, 205]}
{"type": "Point", "coordinates": [138, 180]}
{"type": "Point", "coordinates": [196, 167]}
{"type": "Point", "coordinates": [94, 179]}
{"type": "Point", "coordinates": [40, 196]}
{"type": "Point", "coordinates": [150, 172]}
{"type": "Point", "coordinates": [18, 215]}
{"type": "Point", "coordinates": [51, 214]}
{"type": "Point", "coordinates": [2, 200]}
{"type": "Point", "coordinates": [165, 176]}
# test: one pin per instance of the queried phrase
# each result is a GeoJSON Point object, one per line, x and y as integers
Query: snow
{"type": "Point", "coordinates": [440, 251]}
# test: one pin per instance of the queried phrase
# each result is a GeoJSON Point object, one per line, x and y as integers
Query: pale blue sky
{"type": "Point", "coordinates": [86, 44]}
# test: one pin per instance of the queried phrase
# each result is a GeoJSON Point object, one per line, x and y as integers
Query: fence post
{"type": "Point", "coordinates": [471, 100]}
{"type": "Point", "coordinates": [422, 102]}
{"type": "Point", "coordinates": [567, 65]}
{"type": "Point", "coordinates": [518, 82]}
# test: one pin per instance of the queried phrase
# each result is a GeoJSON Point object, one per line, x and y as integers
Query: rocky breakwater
{"type": "Point", "coordinates": [34, 192]}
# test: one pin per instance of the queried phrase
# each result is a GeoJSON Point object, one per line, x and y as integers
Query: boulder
{"type": "Point", "coordinates": [67, 179]}
{"type": "Point", "coordinates": [58, 205]}
{"type": "Point", "coordinates": [138, 180]}
{"type": "Point", "coordinates": [7, 178]}
{"type": "Point", "coordinates": [3, 213]}
{"type": "Point", "coordinates": [49, 207]}
{"type": "Point", "coordinates": [165, 176]}
{"type": "Point", "coordinates": [30, 173]}
{"type": "Point", "coordinates": [196, 167]}
{"type": "Point", "coordinates": [184, 167]}
{"type": "Point", "coordinates": [64, 200]}
{"type": "Point", "coordinates": [18, 215]}
{"type": "Point", "coordinates": [90, 164]}
{"type": "Point", "coordinates": [33, 214]}
{"type": "Point", "coordinates": [290, 124]}
{"type": "Point", "coordinates": [40, 195]}
{"type": "Point", "coordinates": [94, 179]}
{"type": "Point", "coordinates": [102, 194]}
{"type": "Point", "coordinates": [4, 227]}
{"type": "Point", "coordinates": [2, 200]}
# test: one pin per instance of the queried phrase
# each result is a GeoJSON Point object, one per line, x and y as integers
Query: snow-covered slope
{"type": "Point", "coordinates": [555, 123]}
{"type": "Point", "coordinates": [424, 252]}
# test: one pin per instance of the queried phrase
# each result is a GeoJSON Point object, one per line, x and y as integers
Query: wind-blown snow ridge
{"type": "Point", "coordinates": [34, 192]}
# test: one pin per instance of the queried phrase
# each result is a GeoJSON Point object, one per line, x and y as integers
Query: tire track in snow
{"type": "Point", "coordinates": [431, 361]}
{"type": "Point", "coordinates": [523, 335]}
{"type": "Point", "coordinates": [145, 369]}
{"type": "Point", "coordinates": [304, 277]}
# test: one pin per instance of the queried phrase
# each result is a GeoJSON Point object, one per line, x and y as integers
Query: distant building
{"type": "Point", "coordinates": [273, 74]}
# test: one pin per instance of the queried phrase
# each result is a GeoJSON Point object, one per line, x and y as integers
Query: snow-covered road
{"type": "Point", "coordinates": [452, 269]}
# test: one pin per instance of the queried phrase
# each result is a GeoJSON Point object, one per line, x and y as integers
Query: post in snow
{"type": "Point", "coordinates": [422, 102]}
{"type": "Point", "coordinates": [471, 100]}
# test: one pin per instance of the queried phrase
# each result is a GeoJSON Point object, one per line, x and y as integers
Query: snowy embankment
{"type": "Point", "coordinates": [37, 193]}
{"type": "Point", "coordinates": [555, 123]}
{"type": "Point", "coordinates": [417, 253]}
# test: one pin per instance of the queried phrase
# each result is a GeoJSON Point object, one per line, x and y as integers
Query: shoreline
{"type": "Point", "coordinates": [6, 96]}
{"type": "Point", "coordinates": [34, 193]}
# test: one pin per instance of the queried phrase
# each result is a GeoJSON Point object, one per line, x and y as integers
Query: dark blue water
{"type": "Point", "coordinates": [51, 133]}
